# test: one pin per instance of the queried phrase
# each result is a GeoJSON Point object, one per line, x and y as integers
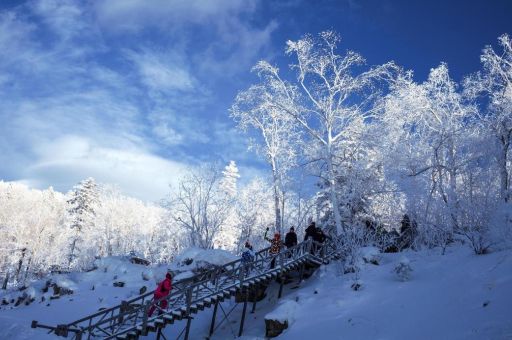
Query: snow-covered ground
{"type": "Point", "coordinates": [454, 296]}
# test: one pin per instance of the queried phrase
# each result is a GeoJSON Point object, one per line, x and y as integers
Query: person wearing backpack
{"type": "Point", "coordinates": [247, 257]}
{"type": "Point", "coordinates": [160, 297]}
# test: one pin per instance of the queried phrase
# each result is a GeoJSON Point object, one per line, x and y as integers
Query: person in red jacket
{"type": "Point", "coordinates": [275, 247]}
{"type": "Point", "coordinates": [161, 292]}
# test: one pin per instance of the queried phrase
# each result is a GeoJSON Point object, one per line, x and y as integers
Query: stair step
{"type": "Point", "coordinates": [160, 322]}
{"type": "Point", "coordinates": [177, 315]}
{"type": "Point", "coordinates": [168, 319]}
{"type": "Point", "coordinates": [148, 329]}
{"type": "Point", "coordinates": [133, 335]}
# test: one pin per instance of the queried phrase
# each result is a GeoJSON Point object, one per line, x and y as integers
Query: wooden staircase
{"type": "Point", "coordinates": [130, 320]}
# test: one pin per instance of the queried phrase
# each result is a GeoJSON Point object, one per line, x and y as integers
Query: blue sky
{"type": "Point", "coordinates": [132, 92]}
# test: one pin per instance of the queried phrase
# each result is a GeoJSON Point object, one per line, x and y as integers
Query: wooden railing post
{"type": "Point", "coordinates": [189, 318]}
{"type": "Point", "coordinates": [145, 318]}
{"type": "Point", "coordinates": [281, 276]}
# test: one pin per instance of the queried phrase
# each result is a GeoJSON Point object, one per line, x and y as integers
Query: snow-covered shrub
{"type": "Point", "coordinates": [403, 269]}
{"type": "Point", "coordinates": [434, 235]}
{"type": "Point", "coordinates": [371, 255]}
{"type": "Point", "coordinates": [357, 285]}
{"type": "Point", "coordinates": [350, 246]}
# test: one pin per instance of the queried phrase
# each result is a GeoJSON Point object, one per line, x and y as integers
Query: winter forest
{"type": "Point", "coordinates": [354, 147]}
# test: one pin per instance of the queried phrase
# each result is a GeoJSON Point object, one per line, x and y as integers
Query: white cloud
{"type": "Point", "coordinates": [65, 161]}
{"type": "Point", "coordinates": [163, 73]}
{"type": "Point", "coordinates": [122, 15]}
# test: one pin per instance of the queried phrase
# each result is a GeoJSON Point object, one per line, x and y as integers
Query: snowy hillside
{"type": "Point", "coordinates": [454, 296]}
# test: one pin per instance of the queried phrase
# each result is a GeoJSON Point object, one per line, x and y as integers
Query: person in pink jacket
{"type": "Point", "coordinates": [161, 292]}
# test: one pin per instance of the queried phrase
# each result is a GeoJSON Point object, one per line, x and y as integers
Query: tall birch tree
{"type": "Point", "coordinates": [326, 99]}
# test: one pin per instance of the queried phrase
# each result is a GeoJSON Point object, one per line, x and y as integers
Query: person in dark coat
{"type": "Point", "coordinates": [319, 236]}
{"type": "Point", "coordinates": [290, 239]}
{"type": "Point", "coordinates": [161, 293]}
{"type": "Point", "coordinates": [310, 231]}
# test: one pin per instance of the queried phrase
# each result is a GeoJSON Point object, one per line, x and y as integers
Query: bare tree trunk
{"type": "Point", "coordinates": [20, 263]}
{"type": "Point", "coordinates": [504, 175]}
{"type": "Point", "coordinates": [282, 209]}
{"type": "Point", "coordinates": [6, 280]}
{"type": "Point", "coordinates": [27, 270]}
{"type": "Point", "coordinates": [277, 208]}
{"type": "Point", "coordinates": [72, 253]}
{"type": "Point", "coordinates": [452, 191]}
{"type": "Point", "coordinates": [332, 191]}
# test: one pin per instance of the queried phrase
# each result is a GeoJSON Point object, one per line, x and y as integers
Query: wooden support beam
{"type": "Point", "coordinates": [246, 291]}
{"type": "Point", "coordinates": [212, 325]}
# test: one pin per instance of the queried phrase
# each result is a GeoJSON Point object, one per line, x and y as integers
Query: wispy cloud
{"type": "Point", "coordinates": [121, 90]}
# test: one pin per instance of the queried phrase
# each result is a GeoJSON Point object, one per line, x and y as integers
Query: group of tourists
{"type": "Point", "coordinates": [276, 246]}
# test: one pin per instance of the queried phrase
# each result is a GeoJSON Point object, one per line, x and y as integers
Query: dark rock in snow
{"type": "Point", "coordinates": [20, 299]}
{"type": "Point", "coordinates": [57, 290]}
{"type": "Point", "coordinates": [273, 327]}
{"type": "Point", "coordinates": [349, 269]}
{"type": "Point", "coordinates": [46, 286]}
{"type": "Point", "coordinates": [141, 261]}
{"type": "Point", "coordinates": [119, 284]}
{"type": "Point", "coordinates": [143, 290]}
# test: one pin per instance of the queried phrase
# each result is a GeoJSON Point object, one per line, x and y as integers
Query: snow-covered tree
{"type": "Point", "coordinates": [328, 99]}
{"type": "Point", "coordinates": [495, 80]}
{"type": "Point", "coordinates": [253, 210]}
{"type": "Point", "coordinates": [82, 207]}
{"type": "Point", "coordinates": [200, 206]}
{"type": "Point", "coordinates": [230, 179]}
{"type": "Point", "coordinates": [279, 135]}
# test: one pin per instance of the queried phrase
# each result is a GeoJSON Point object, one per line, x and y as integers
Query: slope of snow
{"type": "Point", "coordinates": [454, 296]}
